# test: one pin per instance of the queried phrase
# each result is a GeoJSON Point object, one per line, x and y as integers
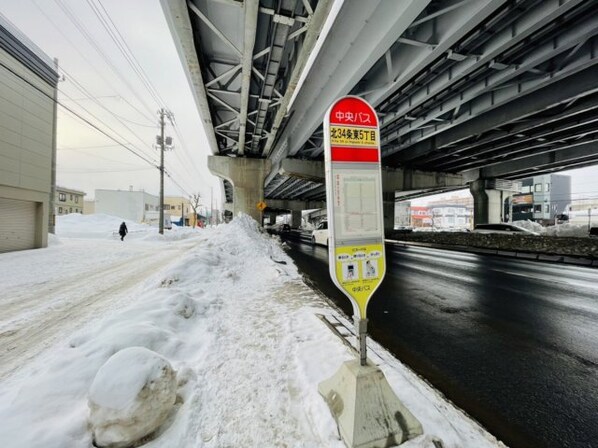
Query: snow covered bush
{"type": "Point", "coordinates": [130, 397]}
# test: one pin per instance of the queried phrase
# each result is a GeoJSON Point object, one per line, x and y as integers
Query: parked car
{"type": "Point", "coordinates": [278, 228]}
{"type": "Point", "coordinates": [320, 235]}
{"type": "Point", "coordinates": [502, 228]}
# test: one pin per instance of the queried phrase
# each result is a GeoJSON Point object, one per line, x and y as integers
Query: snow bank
{"type": "Point", "coordinates": [530, 225]}
{"type": "Point", "coordinates": [238, 325]}
{"type": "Point", "coordinates": [571, 230]}
{"type": "Point", "coordinates": [564, 230]}
{"type": "Point", "coordinates": [176, 315]}
{"type": "Point", "coordinates": [99, 225]}
{"type": "Point", "coordinates": [127, 403]}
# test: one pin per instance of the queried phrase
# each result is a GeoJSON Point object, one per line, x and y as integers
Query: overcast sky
{"type": "Point", "coordinates": [100, 85]}
{"type": "Point", "coordinates": [99, 81]}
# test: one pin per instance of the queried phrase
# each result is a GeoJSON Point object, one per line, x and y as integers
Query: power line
{"type": "Point", "coordinates": [104, 171]}
{"type": "Point", "coordinates": [177, 184]}
{"type": "Point", "coordinates": [122, 45]}
{"type": "Point", "coordinates": [97, 156]}
{"type": "Point", "coordinates": [75, 113]}
{"type": "Point", "coordinates": [133, 62]}
{"type": "Point", "coordinates": [182, 141]}
{"type": "Point", "coordinates": [112, 130]}
{"type": "Point", "coordinates": [83, 90]}
{"type": "Point", "coordinates": [73, 18]}
{"type": "Point", "coordinates": [84, 57]}
{"type": "Point", "coordinates": [78, 148]}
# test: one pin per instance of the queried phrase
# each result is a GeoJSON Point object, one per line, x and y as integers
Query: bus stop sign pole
{"type": "Point", "coordinates": [354, 203]}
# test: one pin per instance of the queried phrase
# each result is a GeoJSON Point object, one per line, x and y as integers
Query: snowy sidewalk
{"type": "Point", "coordinates": [241, 329]}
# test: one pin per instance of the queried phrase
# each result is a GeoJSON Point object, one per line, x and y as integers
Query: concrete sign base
{"type": "Point", "coordinates": [367, 411]}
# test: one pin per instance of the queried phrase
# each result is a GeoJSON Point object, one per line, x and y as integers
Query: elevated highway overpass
{"type": "Point", "coordinates": [473, 93]}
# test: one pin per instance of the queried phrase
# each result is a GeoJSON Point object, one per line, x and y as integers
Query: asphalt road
{"type": "Point", "coordinates": [514, 343]}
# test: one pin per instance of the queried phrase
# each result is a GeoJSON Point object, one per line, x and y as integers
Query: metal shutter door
{"type": "Point", "coordinates": [17, 225]}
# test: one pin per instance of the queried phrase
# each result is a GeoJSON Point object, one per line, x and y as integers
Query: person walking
{"type": "Point", "coordinates": [122, 231]}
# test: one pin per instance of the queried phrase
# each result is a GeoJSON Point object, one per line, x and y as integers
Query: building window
{"type": "Point", "coordinates": [62, 197]}
{"type": "Point", "coordinates": [547, 187]}
{"type": "Point", "coordinates": [147, 207]}
{"type": "Point", "coordinates": [71, 197]}
{"type": "Point", "coordinates": [546, 208]}
{"type": "Point", "coordinates": [538, 188]}
{"type": "Point", "coordinates": [166, 207]}
{"type": "Point", "coordinates": [526, 189]}
{"type": "Point", "coordinates": [60, 210]}
{"type": "Point", "coordinates": [76, 210]}
{"type": "Point", "coordinates": [76, 199]}
{"type": "Point", "coordinates": [537, 208]}
{"type": "Point", "coordinates": [71, 210]}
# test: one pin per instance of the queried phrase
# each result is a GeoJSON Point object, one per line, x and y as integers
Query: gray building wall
{"type": "Point", "coordinates": [27, 89]}
{"type": "Point", "coordinates": [551, 197]}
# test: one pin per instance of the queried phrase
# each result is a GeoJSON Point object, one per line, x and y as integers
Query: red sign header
{"type": "Point", "coordinates": [353, 111]}
{"type": "Point", "coordinates": [353, 131]}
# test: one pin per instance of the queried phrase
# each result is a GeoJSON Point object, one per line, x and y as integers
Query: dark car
{"type": "Point", "coordinates": [508, 229]}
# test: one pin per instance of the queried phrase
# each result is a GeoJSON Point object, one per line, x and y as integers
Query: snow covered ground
{"type": "Point", "coordinates": [567, 229]}
{"type": "Point", "coordinates": [225, 306]}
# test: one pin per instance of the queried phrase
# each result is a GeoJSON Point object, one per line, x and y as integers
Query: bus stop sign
{"type": "Point", "coordinates": [354, 200]}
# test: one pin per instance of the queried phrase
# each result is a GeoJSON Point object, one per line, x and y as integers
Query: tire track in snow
{"type": "Point", "coordinates": [29, 333]}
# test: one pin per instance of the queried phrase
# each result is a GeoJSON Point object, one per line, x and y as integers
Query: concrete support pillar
{"type": "Point", "coordinates": [247, 178]}
{"type": "Point", "coordinates": [295, 219]}
{"type": "Point", "coordinates": [487, 203]}
{"type": "Point", "coordinates": [271, 217]}
{"type": "Point", "coordinates": [388, 206]}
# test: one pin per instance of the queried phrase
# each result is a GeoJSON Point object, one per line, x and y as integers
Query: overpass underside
{"type": "Point", "coordinates": [472, 92]}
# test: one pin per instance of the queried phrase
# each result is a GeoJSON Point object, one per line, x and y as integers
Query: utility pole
{"type": "Point", "coordinates": [161, 217]}
{"type": "Point", "coordinates": [164, 143]}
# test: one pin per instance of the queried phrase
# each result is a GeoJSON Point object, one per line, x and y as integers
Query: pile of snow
{"type": "Point", "coordinates": [530, 225]}
{"type": "Point", "coordinates": [128, 404]}
{"type": "Point", "coordinates": [567, 229]}
{"type": "Point", "coordinates": [240, 329]}
{"type": "Point", "coordinates": [99, 225]}
{"type": "Point", "coordinates": [103, 226]}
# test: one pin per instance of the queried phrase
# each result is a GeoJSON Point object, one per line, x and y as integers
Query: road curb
{"type": "Point", "coordinates": [551, 258]}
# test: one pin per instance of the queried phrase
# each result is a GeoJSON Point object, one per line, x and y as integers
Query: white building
{"type": "Point", "coordinates": [584, 212]}
{"type": "Point", "coordinates": [130, 205]}
{"type": "Point", "coordinates": [451, 216]}
{"type": "Point", "coordinates": [27, 141]}
{"type": "Point", "coordinates": [402, 214]}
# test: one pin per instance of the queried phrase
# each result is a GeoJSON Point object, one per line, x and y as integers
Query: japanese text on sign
{"type": "Point", "coordinates": [352, 136]}
{"type": "Point", "coordinates": [353, 117]}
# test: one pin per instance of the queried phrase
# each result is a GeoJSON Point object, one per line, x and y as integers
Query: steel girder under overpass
{"type": "Point", "coordinates": [481, 87]}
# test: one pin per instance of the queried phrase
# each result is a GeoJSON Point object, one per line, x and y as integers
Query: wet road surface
{"type": "Point", "coordinates": [512, 342]}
